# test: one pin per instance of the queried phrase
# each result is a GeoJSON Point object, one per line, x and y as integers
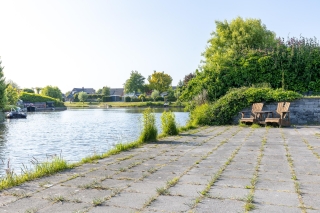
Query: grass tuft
{"type": "Point", "coordinates": [41, 169]}
{"type": "Point", "coordinates": [169, 125]}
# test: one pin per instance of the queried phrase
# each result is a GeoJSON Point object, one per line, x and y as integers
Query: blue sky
{"type": "Point", "coordinates": [96, 43]}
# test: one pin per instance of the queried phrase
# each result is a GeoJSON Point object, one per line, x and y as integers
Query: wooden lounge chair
{"type": "Point", "coordinates": [253, 118]}
{"type": "Point", "coordinates": [283, 118]}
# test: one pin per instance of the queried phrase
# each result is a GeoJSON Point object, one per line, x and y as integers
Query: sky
{"type": "Point", "coordinates": [97, 43]}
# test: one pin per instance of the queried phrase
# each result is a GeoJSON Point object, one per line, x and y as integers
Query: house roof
{"type": "Point", "coordinates": [77, 90]}
{"type": "Point", "coordinates": [116, 91]}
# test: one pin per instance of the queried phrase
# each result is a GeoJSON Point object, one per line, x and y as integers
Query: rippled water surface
{"type": "Point", "coordinates": [74, 133]}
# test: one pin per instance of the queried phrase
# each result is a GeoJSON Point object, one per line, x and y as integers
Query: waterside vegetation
{"type": "Point", "coordinates": [123, 104]}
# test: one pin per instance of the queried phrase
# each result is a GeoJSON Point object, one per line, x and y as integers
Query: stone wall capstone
{"type": "Point", "coordinates": [302, 111]}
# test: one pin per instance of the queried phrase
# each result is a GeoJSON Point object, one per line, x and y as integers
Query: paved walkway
{"type": "Point", "coordinates": [214, 169]}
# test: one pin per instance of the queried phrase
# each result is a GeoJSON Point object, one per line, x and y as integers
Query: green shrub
{"type": "Point", "coordinates": [224, 109]}
{"type": "Point", "coordinates": [32, 97]}
{"type": "Point", "coordinates": [149, 131]}
{"type": "Point", "coordinates": [200, 115]}
{"type": "Point", "coordinates": [169, 125]}
{"type": "Point", "coordinates": [127, 99]}
{"type": "Point", "coordinates": [159, 98]}
{"type": "Point", "coordinates": [106, 99]}
{"type": "Point", "coordinates": [76, 97]}
{"type": "Point", "coordinates": [28, 90]}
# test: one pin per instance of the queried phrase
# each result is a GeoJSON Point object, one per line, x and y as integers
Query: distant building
{"type": "Point", "coordinates": [77, 90]}
{"type": "Point", "coordinates": [116, 94]}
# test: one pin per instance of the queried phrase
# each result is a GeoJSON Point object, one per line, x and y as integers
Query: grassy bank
{"type": "Point", "coordinates": [122, 104]}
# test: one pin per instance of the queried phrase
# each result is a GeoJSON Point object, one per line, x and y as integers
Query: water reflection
{"type": "Point", "coordinates": [74, 133]}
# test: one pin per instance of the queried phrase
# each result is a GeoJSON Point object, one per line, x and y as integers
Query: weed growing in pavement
{"type": "Point", "coordinates": [97, 201]}
{"type": "Point", "coordinates": [152, 170]}
{"type": "Point", "coordinates": [293, 174]}
{"type": "Point", "coordinates": [149, 201]}
{"type": "Point", "coordinates": [31, 210]}
{"type": "Point", "coordinates": [249, 198]}
{"type": "Point", "coordinates": [163, 191]}
{"type": "Point", "coordinates": [58, 198]}
{"type": "Point", "coordinates": [173, 181]}
{"type": "Point", "coordinates": [254, 126]}
{"type": "Point", "coordinates": [125, 158]}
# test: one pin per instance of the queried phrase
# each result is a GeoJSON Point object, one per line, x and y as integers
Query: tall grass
{"type": "Point", "coordinates": [149, 131]}
{"type": "Point", "coordinates": [41, 169]}
{"type": "Point", "coordinates": [169, 125]}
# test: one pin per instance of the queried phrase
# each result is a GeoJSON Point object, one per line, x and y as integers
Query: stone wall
{"type": "Point", "coordinates": [302, 111]}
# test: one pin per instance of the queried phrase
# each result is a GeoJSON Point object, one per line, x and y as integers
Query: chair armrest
{"type": "Point", "coordinates": [244, 112]}
{"type": "Point", "coordinates": [284, 113]}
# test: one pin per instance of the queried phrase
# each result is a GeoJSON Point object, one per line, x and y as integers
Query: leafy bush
{"type": "Point", "coordinates": [159, 98]}
{"type": "Point", "coordinates": [94, 96]}
{"type": "Point", "coordinates": [32, 97]}
{"type": "Point", "coordinates": [149, 131]}
{"type": "Point", "coordinates": [142, 97]}
{"type": "Point", "coordinates": [106, 99]}
{"type": "Point", "coordinates": [127, 99]}
{"type": "Point", "coordinates": [224, 109]}
{"type": "Point", "coordinates": [76, 97]}
{"type": "Point", "coordinates": [135, 100]}
{"type": "Point", "coordinates": [28, 90]}
{"type": "Point", "coordinates": [169, 125]}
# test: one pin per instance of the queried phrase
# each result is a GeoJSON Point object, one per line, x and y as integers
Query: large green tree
{"type": "Point", "coordinates": [105, 91]}
{"type": "Point", "coordinates": [82, 96]}
{"type": "Point", "coordinates": [13, 84]}
{"type": "Point", "coordinates": [3, 96]}
{"type": "Point", "coordinates": [160, 81]}
{"type": "Point", "coordinates": [135, 83]}
{"type": "Point", "coordinates": [231, 38]}
{"type": "Point", "coordinates": [12, 94]}
{"type": "Point", "coordinates": [52, 91]}
{"type": "Point", "coordinates": [227, 55]}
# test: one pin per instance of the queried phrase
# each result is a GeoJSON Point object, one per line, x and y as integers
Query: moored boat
{"type": "Point", "coordinates": [16, 113]}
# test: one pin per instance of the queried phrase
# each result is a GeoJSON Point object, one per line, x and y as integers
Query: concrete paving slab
{"type": "Point", "coordinates": [21, 205]}
{"type": "Point", "coordinates": [276, 176]}
{"type": "Point", "coordinates": [226, 181]}
{"type": "Point", "coordinates": [265, 208]}
{"type": "Point", "coordinates": [311, 200]}
{"type": "Point", "coordinates": [63, 207]}
{"type": "Point", "coordinates": [149, 187]}
{"type": "Point", "coordinates": [187, 190]}
{"type": "Point", "coordinates": [276, 198]}
{"type": "Point", "coordinates": [129, 200]}
{"type": "Point", "coordinates": [228, 192]}
{"type": "Point", "coordinates": [220, 205]}
{"type": "Point", "coordinates": [287, 186]}
{"type": "Point", "coordinates": [88, 195]}
{"type": "Point", "coordinates": [171, 204]}
{"type": "Point", "coordinates": [111, 209]}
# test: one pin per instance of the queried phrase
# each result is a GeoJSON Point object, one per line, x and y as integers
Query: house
{"type": "Point", "coordinates": [116, 94]}
{"type": "Point", "coordinates": [77, 90]}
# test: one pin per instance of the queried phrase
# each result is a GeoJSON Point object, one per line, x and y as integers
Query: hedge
{"type": "Point", "coordinates": [32, 97]}
{"type": "Point", "coordinates": [224, 109]}
{"type": "Point", "coordinates": [106, 99]}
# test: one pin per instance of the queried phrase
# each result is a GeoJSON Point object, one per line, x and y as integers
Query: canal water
{"type": "Point", "coordinates": [73, 134]}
